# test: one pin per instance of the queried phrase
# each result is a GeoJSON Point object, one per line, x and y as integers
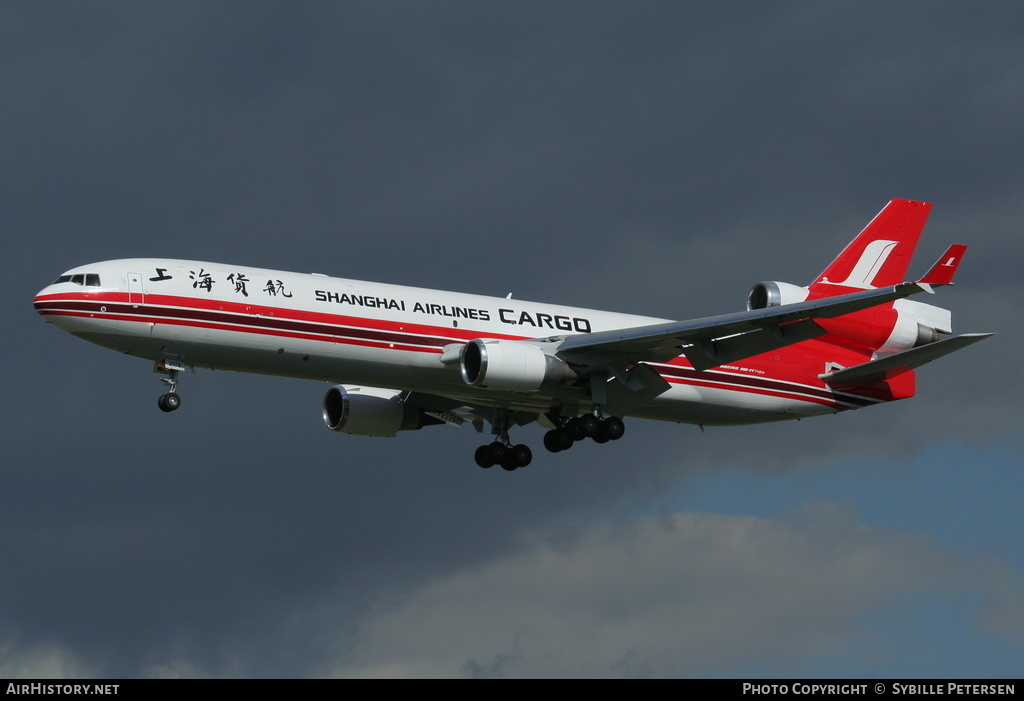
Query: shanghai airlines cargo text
{"type": "Point", "coordinates": [555, 322]}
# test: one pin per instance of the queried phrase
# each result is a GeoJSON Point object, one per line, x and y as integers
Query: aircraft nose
{"type": "Point", "coordinates": [40, 300]}
{"type": "Point", "coordinates": [44, 300]}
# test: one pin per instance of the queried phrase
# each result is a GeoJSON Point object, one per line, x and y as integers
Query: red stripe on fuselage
{"type": "Point", "coordinates": [374, 333]}
{"type": "Point", "coordinates": [335, 338]}
{"type": "Point", "coordinates": [169, 302]}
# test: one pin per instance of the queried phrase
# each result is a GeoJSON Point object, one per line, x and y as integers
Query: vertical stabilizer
{"type": "Point", "coordinates": [881, 253]}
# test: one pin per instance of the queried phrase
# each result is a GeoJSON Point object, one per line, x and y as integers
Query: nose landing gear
{"type": "Point", "coordinates": [169, 401]}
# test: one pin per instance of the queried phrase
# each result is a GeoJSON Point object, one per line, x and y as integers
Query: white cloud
{"type": "Point", "coordinates": [42, 662]}
{"type": "Point", "coordinates": [678, 595]}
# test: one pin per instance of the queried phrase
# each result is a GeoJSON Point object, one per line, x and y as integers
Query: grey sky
{"type": "Point", "coordinates": [656, 158]}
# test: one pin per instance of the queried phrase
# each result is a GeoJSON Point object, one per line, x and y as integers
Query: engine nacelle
{"type": "Point", "coordinates": [775, 294]}
{"type": "Point", "coordinates": [514, 366]}
{"type": "Point", "coordinates": [917, 324]}
{"type": "Point", "coordinates": [369, 411]}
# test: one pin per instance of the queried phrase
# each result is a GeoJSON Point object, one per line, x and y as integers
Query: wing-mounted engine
{"type": "Point", "coordinates": [775, 294]}
{"type": "Point", "coordinates": [514, 366]}
{"type": "Point", "coordinates": [371, 411]}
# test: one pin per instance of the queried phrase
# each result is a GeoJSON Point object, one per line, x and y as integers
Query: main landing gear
{"type": "Point", "coordinates": [510, 457]}
{"type": "Point", "coordinates": [569, 431]}
{"type": "Point", "coordinates": [169, 401]}
{"type": "Point", "coordinates": [577, 428]}
{"type": "Point", "coordinates": [501, 451]}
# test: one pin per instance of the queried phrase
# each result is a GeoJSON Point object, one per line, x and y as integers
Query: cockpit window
{"type": "Point", "coordinates": [87, 279]}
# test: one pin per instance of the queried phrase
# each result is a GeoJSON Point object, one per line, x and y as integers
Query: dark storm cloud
{"type": "Point", "coordinates": [656, 159]}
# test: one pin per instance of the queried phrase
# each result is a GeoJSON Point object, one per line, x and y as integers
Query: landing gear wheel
{"type": "Point", "coordinates": [522, 454]}
{"type": "Point", "coordinates": [483, 456]}
{"type": "Point", "coordinates": [614, 427]}
{"type": "Point", "coordinates": [168, 402]}
{"type": "Point", "coordinates": [601, 435]}
{"type": "Point", "coordinates": [510, 457]}
{"type": "Point", "coordinates": [575, 428]}
{"type": "Point", "coordinates": [590, 424]}
{"type": "Point", "coordinates": [498, 453]}
{"type": "Point", "coordinates": [558, 439]}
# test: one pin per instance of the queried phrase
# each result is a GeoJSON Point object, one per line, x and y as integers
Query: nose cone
{"type": "Point", "coordinates": [74, 300]}
{"type": "Point", "coordinates": [40, 302]}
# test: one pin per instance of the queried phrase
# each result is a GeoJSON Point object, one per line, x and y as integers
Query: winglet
{"type": "Point", "coordinates": [945, 267]}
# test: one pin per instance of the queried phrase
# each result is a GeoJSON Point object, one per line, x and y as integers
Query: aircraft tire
{"type": "Point", "coordinates": [498, 453]}
{"type": "Point", "coordinates": [614, 427]}
{"type": "Point", "coordinates": [522, 454]}
{"type": "Point", "coordinates": [575, 428]}
{"type": "Point", "coordinates": [483, 457]}
{"type": "Point", "coordinates": [168, 402]}
{"type": "Point", "coordinates": [590, 424]}
{"type": "Point", "coordinates": [558, 439]}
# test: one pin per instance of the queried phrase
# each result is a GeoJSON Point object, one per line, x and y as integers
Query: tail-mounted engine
{"type": "Point", "coordinates": [886, 329]}
{"type": "Point", "coordinates": [371, 411]}
{"type": "Point", "coordinates": [917, 324]}
{"type": "Point", "coordinates": [775, 294]}
{"type": "Point", "coordinates": [514, 366]}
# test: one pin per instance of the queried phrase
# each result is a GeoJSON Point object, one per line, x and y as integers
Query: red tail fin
{"type": "Point", "coordinates": [880, 255]}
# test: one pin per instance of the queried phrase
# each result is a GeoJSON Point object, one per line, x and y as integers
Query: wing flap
{"type": "Point", "coordinates": [708, 354]}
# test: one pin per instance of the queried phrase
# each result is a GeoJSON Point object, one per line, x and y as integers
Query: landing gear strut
{"type": "Point", "coordinates": [169, 401]}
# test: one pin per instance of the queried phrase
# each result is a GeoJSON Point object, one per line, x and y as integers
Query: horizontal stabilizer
{"type": "Point", "coordinates": [892, 365]}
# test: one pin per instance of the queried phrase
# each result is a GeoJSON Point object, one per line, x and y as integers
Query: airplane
{"type": "Point", "coordinates": [402, 358]}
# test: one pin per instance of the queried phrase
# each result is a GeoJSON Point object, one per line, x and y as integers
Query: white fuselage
{"type": "Point", "coordinates": [347, 331]}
